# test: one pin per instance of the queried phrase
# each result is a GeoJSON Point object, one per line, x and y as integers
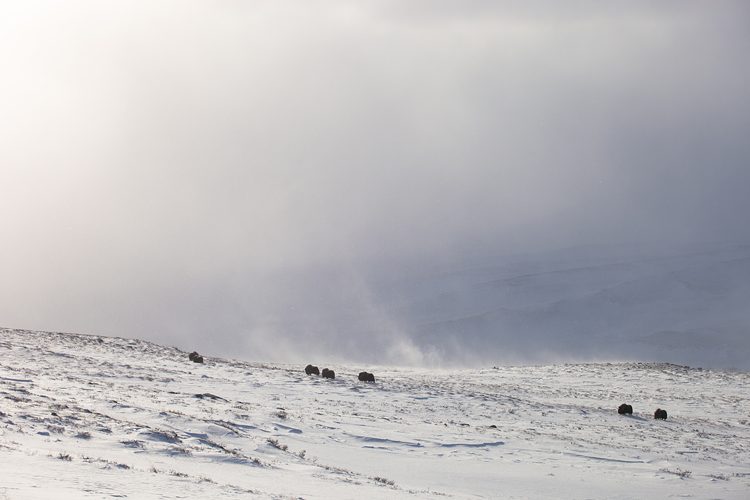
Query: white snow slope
{"type": "Point", "coordinates": [95, 417]}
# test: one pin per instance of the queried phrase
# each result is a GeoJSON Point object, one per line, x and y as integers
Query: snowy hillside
{"type": "Point", "coordinates": [96, 417]}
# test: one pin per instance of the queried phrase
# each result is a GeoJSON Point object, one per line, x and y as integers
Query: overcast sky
{"type": "Point", "coordinates": [150, 147]}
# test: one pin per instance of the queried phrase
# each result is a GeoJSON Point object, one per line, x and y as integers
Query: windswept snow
{"type": "Point", "coordinates": [95, 417]}
{"type": "Point", "coordinates": [686, 306]}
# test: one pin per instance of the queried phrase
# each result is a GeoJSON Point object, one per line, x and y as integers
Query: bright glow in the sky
{"type": "Point", "coordinates": [150, 147]}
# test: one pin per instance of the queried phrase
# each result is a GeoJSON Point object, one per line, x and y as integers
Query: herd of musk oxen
{"type": "Point", "coordinates": [624, 409]}
{"type": "Point", "coordinates": [326, 373]}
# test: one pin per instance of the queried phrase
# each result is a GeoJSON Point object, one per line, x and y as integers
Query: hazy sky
{"type": "Point", "coordinates": [153, 150]}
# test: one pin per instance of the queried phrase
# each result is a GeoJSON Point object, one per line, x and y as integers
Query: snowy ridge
{"type": "Point", "coordinates": [96, 417]}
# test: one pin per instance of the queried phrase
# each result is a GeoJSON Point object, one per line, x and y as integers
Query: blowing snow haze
{"type": "Point", "coordinates": [380, 182]}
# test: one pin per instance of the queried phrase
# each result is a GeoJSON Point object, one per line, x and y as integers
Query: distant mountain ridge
{"type": "Point", "coordinates": [688, 307]}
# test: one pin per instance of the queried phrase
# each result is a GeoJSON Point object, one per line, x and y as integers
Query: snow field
{"type": "Point", "coordinates": [95, 417]}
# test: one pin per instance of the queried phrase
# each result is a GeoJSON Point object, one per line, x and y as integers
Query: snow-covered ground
{"type": "Point", "coordinates": [96, 417]}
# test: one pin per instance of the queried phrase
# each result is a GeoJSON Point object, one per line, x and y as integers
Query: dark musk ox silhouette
{"type": "Point", "coordinates": [625, 409]}
{"type": "Point", "coordinates": [366, 377]}
{"type": "Point", "coordinates": [660, 414]}
{"type": "Point", "coordinates": [195, 357]}
{"type": "Point", "coordinates": [328, 373]}
{"type": "Point", "coordinates": [312, 370]}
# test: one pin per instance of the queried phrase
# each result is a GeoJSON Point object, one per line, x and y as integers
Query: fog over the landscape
{"type": "Point", "coordinates": [247, 178]}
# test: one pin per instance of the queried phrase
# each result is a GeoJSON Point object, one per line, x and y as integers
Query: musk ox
{"type": "Point", "coordinates": [328, 373]}
{"type": "Point", "coordinates": [366, 377]}
{"type": "Point", "coordinates": [625, 409]}
{"type": "Point", "coordinates": [195, 357]}
{"type": "Point", "coordinates": [660, 414]}
{"type": "Point", "coordinates": [312, 370]}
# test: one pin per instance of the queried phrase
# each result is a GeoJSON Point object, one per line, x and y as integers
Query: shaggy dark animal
{"type": "Point", "coordinates": [660, 414]}
{"type": "Point", "coordinates": [192, 355]}
{"type": "Point", "coordinates": [195, 357]}
{"type": "Point", "coordinates": [328, 373]}
{"type": "Point", "coordinates": [312, 370]}
{"type": "Point", "coordinates": [625, 409]}
{"type": "Point", "coordinates": [366, 377]}
{"type": "Point", "coordinates": [209, 395]}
